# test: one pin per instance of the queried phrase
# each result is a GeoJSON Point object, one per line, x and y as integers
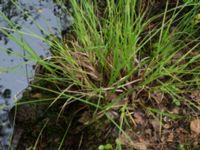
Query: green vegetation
{"type": "Point", "coordinates": [121, 59]}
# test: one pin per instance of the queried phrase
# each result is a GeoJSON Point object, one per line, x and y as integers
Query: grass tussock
{"type": "Point", "coordinates": [125, 50]}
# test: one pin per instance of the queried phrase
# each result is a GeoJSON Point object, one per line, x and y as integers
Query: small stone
{"type": "Point", "coordinates": [195, 126]}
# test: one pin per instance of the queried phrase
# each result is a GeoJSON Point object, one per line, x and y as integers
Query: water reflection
{"type": "Point", "coordinates": [41, 17]}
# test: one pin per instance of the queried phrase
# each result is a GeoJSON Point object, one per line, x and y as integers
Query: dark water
{"type": "Point", "coordinates": [15, 71]}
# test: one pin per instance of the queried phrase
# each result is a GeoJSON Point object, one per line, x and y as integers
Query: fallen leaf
{"type": "Point", "coordinates": [139, 146]}
{"type": "Point", "coordinates": [123, 139]}
{"type": "Point", "coordinates": [195, 126]}
{"type": "Point", "coordinates": [196, 97]}
{"type": "Point", "coordinates": [139, 118]}
{"type": "Point", "coordinates": [163, 138]}
{"type": "Point", "coordinates": [170, 137]}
